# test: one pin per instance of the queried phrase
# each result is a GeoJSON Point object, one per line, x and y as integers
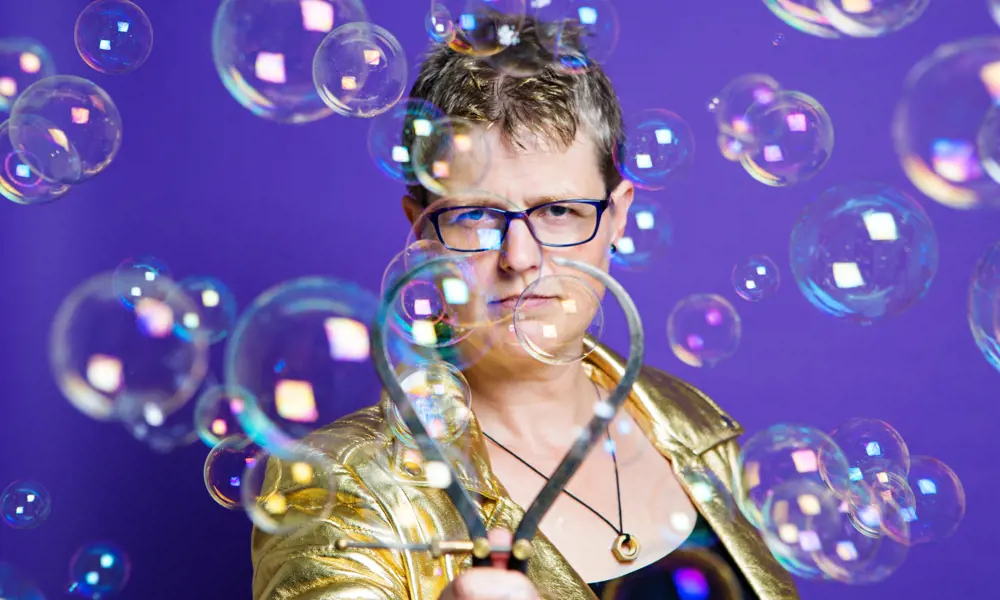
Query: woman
{"type": "Point", "coordinates": [549, 140]}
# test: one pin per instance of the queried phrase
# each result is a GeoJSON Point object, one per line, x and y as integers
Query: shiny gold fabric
{"type": "Point", "coordinates": [377, 500]}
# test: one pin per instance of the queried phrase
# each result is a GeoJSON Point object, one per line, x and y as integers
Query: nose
{"type": "Point", "coordinates": [520, 252]}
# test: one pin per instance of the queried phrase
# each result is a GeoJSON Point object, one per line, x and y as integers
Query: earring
{"type": "Point", "coordinates": [614, 249]}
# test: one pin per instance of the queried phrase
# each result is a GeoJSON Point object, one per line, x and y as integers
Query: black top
{"type": "Point", "coordinates": [699, 569]}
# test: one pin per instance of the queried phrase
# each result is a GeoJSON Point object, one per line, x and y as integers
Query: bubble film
{"type": "Point", "coordinates": [871, 18]}
{"type": "Point", "coordinates": [872, 449]}
{"type": "Point", "coordinates": [67, 128]}
{"type": "Point", "coordinates": [938, 500]}
{"type": "Point", "coordinates": [140, 277]}
{"type": "Point", "coordinates": [99, 570]}
{"type": "Point", "coordinates": [863, 251]}
{"type": "Point", "coordinates": [216, 413]}
{"type": "Point", "coordinates": [360, 70]}
{"type": "Point", "coordinates": [113, 36]}
{"type": "Point", "coordinates": [737, 134]}
{"type": "Point", "coordinates": [756, 278]}
{"type": "Point", "coordinates": [25, 504]}
{"type": "Point", "coordinates": [216, 308]}
{"type": "Point", "coordinates": [947, 98]}
{"type": "Point", "coordinates": [440, 396]}
{"type": "Point", "coordinates": [803, 15]}
{"type": "Point", "coordinates": [657, 146]}
{"type": "Point", "coordinates": [482, 27]}
{"type": "Point", "coordinates": [984, 305]}
{"type": "Point", "coordinates": [703, 330]}
{"type": "Point", "coordinates": [19, 181]}
{"type": "Point", "coordinates": [264, 51]}
{"type": "Point", "coordinates": [578, 33]}
{"type": "Point", "coordinates": [792, 139]}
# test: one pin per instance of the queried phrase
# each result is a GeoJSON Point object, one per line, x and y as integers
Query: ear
{"type": "Point", "coordinates": [412, 209]}
{"type": "Point", "coordinates": [621, 201]}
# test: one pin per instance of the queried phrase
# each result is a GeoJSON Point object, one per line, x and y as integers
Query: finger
{"type": "Point", "coordinates": [500, 537]}
{"type": "Point", "coordinates": [494, 584]}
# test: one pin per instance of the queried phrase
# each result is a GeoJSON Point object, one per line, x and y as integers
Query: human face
{"type": "Point", "coordinates": [521, 178]}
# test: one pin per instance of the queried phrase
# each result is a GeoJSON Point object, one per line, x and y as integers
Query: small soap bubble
{"type": "Point", "coordinates": [113, 36]}
{"type": "Point", "coordinates": [658, 145]}
{"type": "Point", "coordinates": [25, 504]}
{"type": "Point", "coordinates": [99, 570]}
{"type": "Point", "coordinates": [792, 139]}
{"type": "Point", "coordinates": [756, 278]}
{"type": "Point", "coordinates": [139, 277]}
{"type": "Point", "coordinates": [559, 318]}
{"type": "Point", "coordinates": [360, 70]}
{"type": "Point", "coordinates": [216, 308]}
{"type": "Point", "coordinates": [19, 181]}
{"type": "Point", "coordinates": [225, 467]}
{"type": "Point", "coordinates": [648, 235]}
{"type": "Point", "coordinates": [703, 330]}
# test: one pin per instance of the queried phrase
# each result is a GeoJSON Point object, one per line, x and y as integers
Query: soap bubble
{"type": "Point", "coordinates": [393, 135]}
{"type": "Point", "coordinates": [139, 277]}
{"type": "Point", "coordinates": [940, 119]}
{"type": "Point", "coordinates": [804, 16]}
{"type": "Point", "coordinates": [703, 330]}
{"type": "Point", "coordinates": [782, 453]}
{"type": "Point", "coordinates": [792, 139]}
{"type": "Point", "coordinates": [863, 251]}
{"type": "Point", "coordinates": [659, 144]}
{"type": "Point", "coordinates": [216, 308]}
{"type": "Point", "coordinates": [984, 305]}
{"type": "Point", "coordinates": [113, 36]}
{"type": "Point", "coordinates": [302, 353]}
{"type": "Point", "coordinates": [559, 319]}
{"type": "Point", "coordinates": [25, 504]}
{"type": "Point", "coordinates": [440, 395]}
{"type": "Point", "coordinates": [217, 412]}
{"type": "Point", "coordinates": [67, 128]}
{"type": "Point", "coordinates": [737, 134]}
{"type": "Point", "coordinates": [19, 181]}
{"type": "Point", "coordinates": [281, 495]}
{"type": "Point", "coordinates": [872, 449]}
{"type": "Point", "coordinates": [225, 467]}
{"type": "Point", "coordinates": [99, 570]}
{"type": "Point", "coordinates": [756, 278]}
{"type": "Point", "coordinates": [578, 33]}
{"type": "Point", "coordinates": [439, 24]}
{"type": "Point", "coordinates": [23, 62]}
{"type": "Point", "coordinates": [360, 70]}
{"type": "Point", "coordinates": [451, 157]}
{"type": "Point", "coordinates": [939, 500]}
{"type": "Point", "coordinates": [647, 237]}
{"type": "Point", "coordinates": [112, 362]}
{"type": "Point", "coordinates": [482, 27]}
{"type": "Point", "coordinates": [871, 19]}
{"type": "Point", "coordinates": [264, 51]}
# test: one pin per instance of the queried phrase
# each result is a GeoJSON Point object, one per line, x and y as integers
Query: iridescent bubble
{"type": "Point", "coordinates": [801, 514]}
{"type": "Point", "coordinates": [67, 128]}
{"type": "Point", "coordinates": [393, 135]}
{"type": "Point", "coordinates": [756, 278]}
{"type": "Point", "coordinates": [15, 586]}
{"type": "Point", "coordinates": [19, 181]}
{"type": "Point", "coordinates": [984, 305]}
{"type": "Point", "coordinates": [939, 500]}
{"type": "Point", "coordinates": [139, 277]}
{"type": "Point", "coordinates": [946, 101]}
{"type": "Point", "coordinates": [439, 24]}
{"type": "Point", "coordinates": [857, 554]}
{"type": "Point", "coordinates": [804, 16]}
{"type": "Point", "coordinates": [659, 144]}
{"type": "Point", "coordinates": [865, 18]}
{"type": "Point", "coordinates": [782, 453]}
{"type": "Point", "coordinates": [164, 433]}
{"type": "Point", "coordinates": [302, 353]}
{"type": "Point", "coordinates": [217, 413]}
{"type": "Point", "coordinates": [452, 157]}
{"type": "Point", "coordinates": [647, 237]}
{"type": "Point", "coordinates": [216, 307]}
{"type": "Point", "coordinates": [483, 27]}
{"type": "Point", "coordinates": [559, 319]}
{"type": "Point", "coordinates": [360, 70]}
{"type": "Point", "coordinates": [99, 570]}
{"type": "Point", "coordinates": [113, 36]}
{"type": "Point", "coordinates": [264, 53]}
{"type": "Point", "coordinates": [440, 395]}
{"type": "Point", "coordinates": [872, 448]}
{"type": "Point", "coordinates": [863, 251]}
{"type": "Point", "coordinates": [895, 501]}
{"type": "Point", "coordinates": [578, 33]}
{"type": "Point", "coordinates": [23, 62]}
{"type": "Point", "coordinates": [225, 467]}
{"type": "Point", "coordinates": [703, 330]}
{"type": "Point", "coordinates": [281, 495]}
{"type": "Point", "coordinates": [25, 504]}
{"type": "Point", "coordinates": [113, 362]}
{"type": "Point", "coordinates": [792, 139]}
{"type": "Point", "coordinates": [737, 134]}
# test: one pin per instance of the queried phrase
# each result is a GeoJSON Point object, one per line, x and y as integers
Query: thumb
{"type": "Point", "coordinates": [500, 537]}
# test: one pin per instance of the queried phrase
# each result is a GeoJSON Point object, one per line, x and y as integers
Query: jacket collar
{"type": "Point", "coordinates": [671, 413]}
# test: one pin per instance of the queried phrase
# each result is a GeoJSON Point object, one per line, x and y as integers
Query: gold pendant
{"type": "Point", "coordinates": [625, 548]}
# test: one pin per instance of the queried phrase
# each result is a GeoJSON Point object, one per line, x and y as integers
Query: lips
{"type": "Point", "coordinates": [532, 300]}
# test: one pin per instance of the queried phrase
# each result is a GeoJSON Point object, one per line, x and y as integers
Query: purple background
{"type": "Point", "coordinates": [210, 188]}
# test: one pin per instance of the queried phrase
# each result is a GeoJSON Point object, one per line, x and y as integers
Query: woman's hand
{"type": "Point", "coordinates": [492, 583]}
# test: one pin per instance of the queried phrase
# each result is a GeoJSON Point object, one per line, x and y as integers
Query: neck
{"type": "Point", "coordinates": [542, 409]}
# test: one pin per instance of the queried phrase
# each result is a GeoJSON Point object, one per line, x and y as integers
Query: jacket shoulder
{"type": "Point", "coordinates": [363, 430]}
{"type": "Point", "coordinates": [697, 421]}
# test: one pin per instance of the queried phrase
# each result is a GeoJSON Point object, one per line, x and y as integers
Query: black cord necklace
{"type": "Point", "coordinates": [625, 547]}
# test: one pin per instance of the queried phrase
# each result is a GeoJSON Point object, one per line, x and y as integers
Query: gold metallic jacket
{"type": "Point", "coordinates": [375, 503]}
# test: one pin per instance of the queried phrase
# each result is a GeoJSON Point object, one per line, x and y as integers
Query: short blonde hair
{"type": "Point", "coordinates": [553, 103]}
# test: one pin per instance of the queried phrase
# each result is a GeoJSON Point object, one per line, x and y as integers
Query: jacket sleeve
{"type": "Point", "coordinates": [304, 565]}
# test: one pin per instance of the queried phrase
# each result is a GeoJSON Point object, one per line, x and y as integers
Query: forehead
{"type": "Point", "coordinates": [534, 167]}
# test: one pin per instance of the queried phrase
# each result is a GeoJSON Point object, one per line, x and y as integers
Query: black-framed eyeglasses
{"type": "Point", "coordinates": [557, 224]}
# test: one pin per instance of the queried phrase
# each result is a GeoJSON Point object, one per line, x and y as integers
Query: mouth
{"type": "Point", "coordinates": [528, 302]}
